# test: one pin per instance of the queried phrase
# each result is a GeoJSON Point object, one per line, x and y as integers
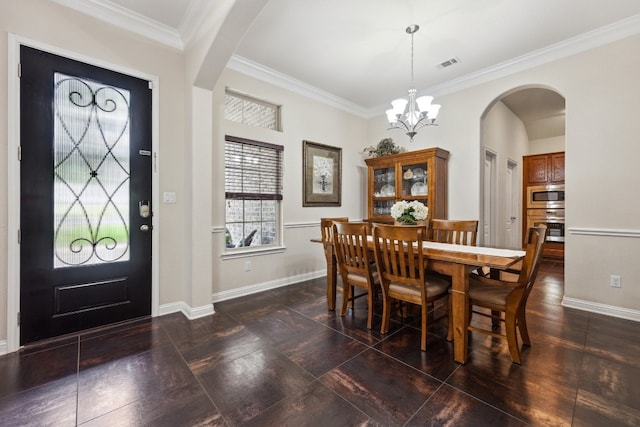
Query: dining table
{"type": "Point", "coordinates": [456, 261]}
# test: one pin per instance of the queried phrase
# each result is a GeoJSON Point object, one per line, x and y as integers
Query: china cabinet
{"type": "Point", "coordinates": [415, 175]}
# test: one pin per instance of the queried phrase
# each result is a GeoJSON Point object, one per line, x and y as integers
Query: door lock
{"type": "Point", "coordinates": [144, 207]}
{"type": "Point", "coordinates": [144, 227]}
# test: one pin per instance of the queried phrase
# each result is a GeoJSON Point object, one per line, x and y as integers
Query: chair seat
{"type": "Point", "coordinates": [361, 278]}
{"type": "Point", "coordinates": [492, 294]}
{"type": "Point", "coordinates": [435, 287]}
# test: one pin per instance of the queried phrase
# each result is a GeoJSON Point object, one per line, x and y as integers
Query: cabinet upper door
{"type": "Point", "coordinates": [538, 169]}
{"type": "Point", "coordinates": [557, 168]}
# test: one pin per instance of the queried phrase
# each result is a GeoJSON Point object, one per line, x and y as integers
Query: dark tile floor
{"type": "Point", "coordinates": [280, 358]}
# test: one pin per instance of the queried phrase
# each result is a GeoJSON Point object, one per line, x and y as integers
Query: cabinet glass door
{"type": "Point", "coordinates": [414, 181]}
{"type": "Point", "coordinates": [384, 190]}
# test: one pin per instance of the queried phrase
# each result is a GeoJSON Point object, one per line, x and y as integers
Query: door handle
{"type": "Point", "coordinates": [145, 228]}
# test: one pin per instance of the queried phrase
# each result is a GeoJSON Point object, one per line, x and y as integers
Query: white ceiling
{"type": "Point", "coordinates": [358, 51]}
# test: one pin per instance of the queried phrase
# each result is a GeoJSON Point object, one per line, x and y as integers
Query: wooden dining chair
{"type": "Point", "coordinates": [326, 232]}
{"type": "Point", "coordinates": [354, 264]}
{"type": "Point", "coordinates": [508, 297]}
{"type": "Point", "coordinates": [326, 228]}
{"type": "Point", "coordinates": [453, 231]}
{"type": "Point", "coordinates": [459, 232]}
{"type": "Point", "coordinates": [401, 268]}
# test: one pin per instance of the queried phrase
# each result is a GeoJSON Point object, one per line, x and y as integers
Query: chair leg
{"type": "Point", "coordinates": [522, 326]}
{"type": "Point", "coordinates": [346, 295]}
{"type": "Point", "coordinates": [449, 319]}
{"type": "Point", "coordinates": [495, 323]}
{"type": "Point", "coordinates": [512, 336]}
{"type": "Point", "coordinates": [423, 339]}
{"type": "Point", "coordinates": [353, 298]}
{"type": "Point", "coordinates": [370, 295]}
{"type": "Point", "coordinates": [386, 313]}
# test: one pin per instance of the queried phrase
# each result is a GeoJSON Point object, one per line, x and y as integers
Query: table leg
{"type": "Point", "coordinates": [460, 311]}
{"type": "Point", "coordinates": [332, 278]}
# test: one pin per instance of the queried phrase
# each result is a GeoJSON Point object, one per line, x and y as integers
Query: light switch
{"type": "Point", "coordinates": [169, 197]}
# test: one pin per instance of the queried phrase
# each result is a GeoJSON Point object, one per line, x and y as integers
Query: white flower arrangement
{"type": "Point", "coordinates": [409, 212]}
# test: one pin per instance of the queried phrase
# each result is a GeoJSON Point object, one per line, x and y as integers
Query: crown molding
{"type": "Point", "coordinates": [126, 19]}
{"type": "Point", "coordinates": [276, 78]}
{"type": "Point", "coordinates": [581, 43]}
{"type": "Point", "coordinates": [599, 37]}
{"type": "Point", "coordinates": [131, 21]}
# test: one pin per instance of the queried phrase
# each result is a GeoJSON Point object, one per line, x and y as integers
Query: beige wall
{"type": "Point", "coordinates": [601, 147]}
{"type": "Point", "coordinates": [48, 24]}
{"type": "Point", "coordinates": [602, 211]}
{"type": "Point", "coordinates": [302, 119]}
{"type": "Point", "coordinates": [547, 145]}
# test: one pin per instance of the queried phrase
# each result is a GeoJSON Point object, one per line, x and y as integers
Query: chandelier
{"type": "Point", "coordinates": [414, 113]}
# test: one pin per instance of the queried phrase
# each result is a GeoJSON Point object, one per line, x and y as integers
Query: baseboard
{"type": "Point", "coordinates": [265, 286]}
{"type": "Point", "coordinates": [3, 347]}
{"type": "Point", "coordinates": [206, 310]}
{"type": "Point", "coordinates": [184, 308]}
{"type": "Point", "coordinates": [607, 310]}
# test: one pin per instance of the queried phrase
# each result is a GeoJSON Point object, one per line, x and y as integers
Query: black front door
{"type": "Point", "coordinates": [85, 196]}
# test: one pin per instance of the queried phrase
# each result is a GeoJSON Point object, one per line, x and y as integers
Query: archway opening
{"type": "Point", "coordinates": [524, 121]}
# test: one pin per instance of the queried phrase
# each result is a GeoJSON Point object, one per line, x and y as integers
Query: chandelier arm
{"type": "Point", "coordinates": [397, 124]}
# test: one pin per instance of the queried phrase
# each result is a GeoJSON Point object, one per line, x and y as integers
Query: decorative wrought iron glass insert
{"type": "Point", "coordinates": [91, 172]}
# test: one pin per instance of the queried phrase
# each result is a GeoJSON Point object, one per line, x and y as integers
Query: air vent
{"type": "Point", "coordinates": [449, 62]}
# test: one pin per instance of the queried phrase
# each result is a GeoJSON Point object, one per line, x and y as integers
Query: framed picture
{"type": "Point", "coordinates": [322, 174]}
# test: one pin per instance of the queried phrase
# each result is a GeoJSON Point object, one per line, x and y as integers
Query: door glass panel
{"type": "Point", "coordinates": [91, 172]}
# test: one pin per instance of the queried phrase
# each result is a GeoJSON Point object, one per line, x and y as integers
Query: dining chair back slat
{"type": "Point", "coordinates": [459, 232]}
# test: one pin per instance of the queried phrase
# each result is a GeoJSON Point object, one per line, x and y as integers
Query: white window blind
{"type": "Point", "coordinates": [253, 191]}
{"type": "Point", "coordinates": [253, 169]}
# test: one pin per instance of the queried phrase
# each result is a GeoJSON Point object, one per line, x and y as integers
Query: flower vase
{"type": "Point", "coordinates": [422, 223]}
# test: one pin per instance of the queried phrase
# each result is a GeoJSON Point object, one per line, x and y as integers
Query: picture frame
{"type": "Point", "coordinates": [322, 174]}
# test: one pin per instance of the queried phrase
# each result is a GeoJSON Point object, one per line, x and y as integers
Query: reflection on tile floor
{"type": "Point", "coordinates": [281, 358]}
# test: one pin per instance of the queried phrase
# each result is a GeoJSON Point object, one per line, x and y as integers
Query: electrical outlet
{"type": "Point", "coordinates": [247, 266]}
{"type": "Point", "coordinates": [615, 281]}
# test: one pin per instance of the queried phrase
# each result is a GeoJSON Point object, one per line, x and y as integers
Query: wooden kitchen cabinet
{"type": "Point", "coordinates": [544, 169]}
{"type": "Point", "coordinates": [414, 175]}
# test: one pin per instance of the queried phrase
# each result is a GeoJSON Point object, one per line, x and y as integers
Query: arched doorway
{"type": "Point", "coordinates": [525, 120]}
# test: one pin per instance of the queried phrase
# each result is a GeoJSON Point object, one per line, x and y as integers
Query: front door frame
{"type": "Point", "coordinates": [13, 178]}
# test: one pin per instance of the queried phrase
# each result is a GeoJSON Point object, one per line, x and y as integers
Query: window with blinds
{"type": "Point", "coordinates": [253, 191]}
{"type": "Point", "coordinates": [251, 111]}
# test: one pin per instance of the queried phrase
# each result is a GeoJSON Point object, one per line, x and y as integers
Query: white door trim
{"type": "Point", "coordinates": [489, 201]}
{"type": "Point", "coordinates": [13, 178]}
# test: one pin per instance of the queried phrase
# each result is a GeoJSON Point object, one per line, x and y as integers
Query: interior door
{"type": "Point", "coordinates": [488, 201]}
{"type": "Point", "coordinates": [85, 196]}
{"type": "Point", "coordinates": [511, 198]}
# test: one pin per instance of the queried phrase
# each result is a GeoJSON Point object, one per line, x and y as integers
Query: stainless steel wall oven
{"type": "Point", "coordinates": [545, 205]}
